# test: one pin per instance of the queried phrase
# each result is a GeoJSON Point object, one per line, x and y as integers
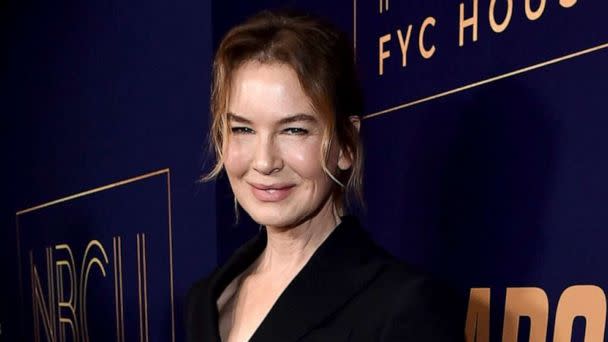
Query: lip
{"type": "Point", "coordinates": [271, 192]}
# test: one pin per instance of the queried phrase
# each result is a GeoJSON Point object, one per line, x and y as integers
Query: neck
{"type": "Point", "coordinates": [289, 249]}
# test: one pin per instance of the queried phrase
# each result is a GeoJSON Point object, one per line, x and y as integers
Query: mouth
{"type": "Point", "coordinates": [271, 192]}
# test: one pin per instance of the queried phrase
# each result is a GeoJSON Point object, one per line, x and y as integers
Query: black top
{"type": "Point", "coordinates": [350, 290]}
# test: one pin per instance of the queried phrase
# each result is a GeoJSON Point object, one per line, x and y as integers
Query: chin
{"type": "Point", "coordinates": [273, 217]}
{"type": "Point", "coordinates": [272, 220]}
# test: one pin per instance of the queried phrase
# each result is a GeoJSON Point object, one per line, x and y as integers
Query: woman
{"type": "Point", "coordinates": [285, 130]}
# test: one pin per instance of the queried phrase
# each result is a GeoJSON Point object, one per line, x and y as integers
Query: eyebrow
{"type": "Point", "coordinates": [238, 118]}
{"type": "Point", "coordinates": [290, 119]}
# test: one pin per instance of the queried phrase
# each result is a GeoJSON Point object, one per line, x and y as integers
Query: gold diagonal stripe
{"type": "Point", "coordinates": [91, 191]}
{"type": "Point", "coordinates": [489, 80]}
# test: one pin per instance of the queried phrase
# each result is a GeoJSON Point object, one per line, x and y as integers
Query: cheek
{"type": "Point", "coordinates": [305, 158]}
{"type": "Point", "coordinates": [236, 157]}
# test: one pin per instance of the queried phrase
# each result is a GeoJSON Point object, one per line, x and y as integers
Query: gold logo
{"type": "Point", "coordinates": [64, 277]}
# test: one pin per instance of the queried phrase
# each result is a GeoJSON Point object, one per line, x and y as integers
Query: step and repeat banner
{"type": "Point", "coordinates": [485, 136]}
{"type": "Point", "coordinates": [486, 155]}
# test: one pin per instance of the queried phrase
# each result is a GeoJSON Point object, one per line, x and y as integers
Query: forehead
{"type": "Point", "coordinates": [267, 90]}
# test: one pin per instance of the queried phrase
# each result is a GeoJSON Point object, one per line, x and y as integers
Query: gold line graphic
{"type": "Point", "coordinates": [50, 276]}
{"type": "Point", "coordinates": [36, 320]}
{"type": "Point", "coordinates": [142, 287]}
{"type": "Point", "coordinates": [116, 291]}
{"type": "Point", "coordinates": [489, 80]}
{"type": "Point", "coordinates": [141, 329]}
{"type": "Point", "coordinates": [170, 253]}
{"type": "Point", "coordinates": [381, 7]}
{"type": "Point", "coordinates": [39, 306]}
{"type": "Point", "coordinates": [60, 298]}
{"type": "Point", "coordinates": [122, 300]}
{"type": "Point", "coordinates": [120, 335]}
{"type": "Point", "coordinates": [145, 261]}
{"type": "Point", "coordinates": [92, 191]}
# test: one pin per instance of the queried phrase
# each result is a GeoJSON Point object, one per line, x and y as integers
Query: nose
{"type": "Point", "coordinates": [267, 159]}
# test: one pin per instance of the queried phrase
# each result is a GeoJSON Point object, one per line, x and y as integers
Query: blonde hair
{"type": "Point", "coordinates": [323, 60]}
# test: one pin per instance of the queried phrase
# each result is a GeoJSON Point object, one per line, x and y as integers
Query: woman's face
{"type": "Point", "coordinates": [273, 152]}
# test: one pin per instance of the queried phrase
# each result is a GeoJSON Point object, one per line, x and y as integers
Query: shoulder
{"type": "Point", "coordinates": [198, 311]}
{"type": "Point", "coordinates": [195, 298]}
{"type": "Point", "coordinates": [197, 290]}
{"type": "Point", "coordinates": [207, 289]}
{"type": "Point", "coordinates": [419, 307]}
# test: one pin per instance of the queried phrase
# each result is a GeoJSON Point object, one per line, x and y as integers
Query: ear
{"type": "Point", "coordinates": [356, 121]}
{"type": "Point", "coordinates": [345, 160]}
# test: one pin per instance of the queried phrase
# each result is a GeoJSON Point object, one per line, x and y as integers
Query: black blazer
{"type": "Point", "coordinates": [350, 290]}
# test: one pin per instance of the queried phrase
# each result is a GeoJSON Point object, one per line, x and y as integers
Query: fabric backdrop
{"type": "Point", "coordinates": [484, 129]}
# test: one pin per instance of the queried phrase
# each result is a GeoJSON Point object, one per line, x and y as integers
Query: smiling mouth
{"type": "Point", "coordinates": [272, 193]}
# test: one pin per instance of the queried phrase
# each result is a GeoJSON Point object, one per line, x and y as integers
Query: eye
{"type": "Point", "coordinates": [295, 131]}
{"type": "Point", "coordinates": [241, 130]}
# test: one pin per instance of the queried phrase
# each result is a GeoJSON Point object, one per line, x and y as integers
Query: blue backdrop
{"type": "Point", "coordinates": [484, 132]}
{"type": "Point", "coordinates": [106, 102]}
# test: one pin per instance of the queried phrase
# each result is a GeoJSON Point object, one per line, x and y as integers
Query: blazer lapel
{"type": "Point", "coordinates": [342, 266]}
{"type": "Point", "coordinates": [219, 280]}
